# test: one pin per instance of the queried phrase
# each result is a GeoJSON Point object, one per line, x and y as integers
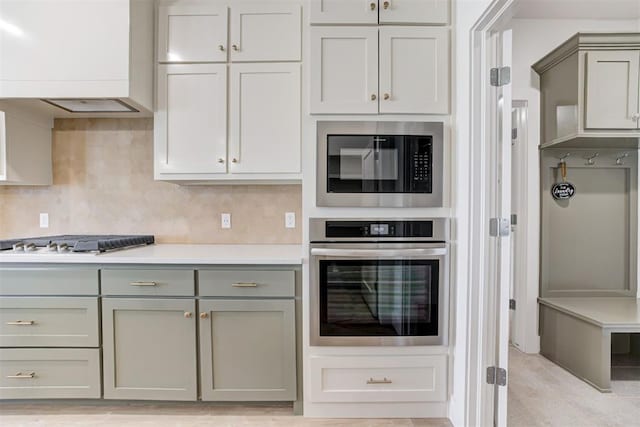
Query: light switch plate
{"type": "Point", "coordinates": [225, 220]}
{"type": "Point", "coordinates": [290, 220]}
{"type": "Point", "coordinates": [44, 220]}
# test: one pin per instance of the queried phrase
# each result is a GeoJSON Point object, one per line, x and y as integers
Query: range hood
{"type": "Point", "coordinates": [88, 58]}
{"type": "Point", "coordinates": [92, 105]}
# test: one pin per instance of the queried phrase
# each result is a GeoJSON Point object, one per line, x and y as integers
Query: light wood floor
{"type": "Point", "coordinates": [543, 394]}
{"type": "Point", "coordinates": [65, 414]}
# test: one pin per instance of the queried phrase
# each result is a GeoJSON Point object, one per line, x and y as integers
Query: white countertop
{"type": "Point", "coordinates": [170, 254]}
{"type": "Point", "coordinates": [606, 312]}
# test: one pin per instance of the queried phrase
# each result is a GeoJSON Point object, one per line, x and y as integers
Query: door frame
{"type": "Point", "coordinates": [478, 329]}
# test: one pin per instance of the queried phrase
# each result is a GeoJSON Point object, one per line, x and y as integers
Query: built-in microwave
{"type": "Point", "coordinates": [380, 164]}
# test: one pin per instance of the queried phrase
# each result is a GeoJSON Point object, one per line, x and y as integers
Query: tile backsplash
{"type": "Point", "coordinates": [103, 183]}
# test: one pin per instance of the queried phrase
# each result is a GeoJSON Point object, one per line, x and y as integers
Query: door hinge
{"type": "Point", "coordinates": [497, 376]}
{"type": "Point", "coordinates": [499, 227]}
{"type": "Point", "coordinates": [500, 76]}
{"type": "Point", "coordinates": [512, 304]}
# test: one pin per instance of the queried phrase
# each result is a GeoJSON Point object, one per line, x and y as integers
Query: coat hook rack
{"type": "Point", "coordinates": [620, 159]}
{"type": "Point", "coordinates": [590, 159]}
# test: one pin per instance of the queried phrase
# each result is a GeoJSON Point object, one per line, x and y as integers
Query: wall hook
{"type": "Point", "coordinates": [590, 159]}
{"type": "Point", "coordinates": [620, 159]}
{"type": "Point", "coordinates": [563, 158]}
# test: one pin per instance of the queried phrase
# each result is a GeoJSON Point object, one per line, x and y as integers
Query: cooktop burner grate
{"type": "Point", "coordinates": [82, 243]}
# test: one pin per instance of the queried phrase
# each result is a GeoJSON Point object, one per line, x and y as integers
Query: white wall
{"type": "Point", "coordinates": [533, 39]}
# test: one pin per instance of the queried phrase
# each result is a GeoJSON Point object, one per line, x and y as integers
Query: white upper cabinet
{"type": "Point", "coordinates": [192, 32]}
{"type": "Point", "coordinates": [414, 70]}
{"type": "Point", "coordinates": [358, 12]}
{"type": "Point", "coordinates": [612, 93]}
{"type": "Point", "coordinates": [406, 72]}
{"type": "Point", "coordinates": [434, 12]}
{"type": "Point", "coordinates": [25, 147]}
{"type": "Point", "coordinates": [78, 49]}
{"type": "Point", "coordinates": [264, 134]}
{"type": "Point", "coordinates": [203, 31]}
{"type": "Point", "coordinates": [191, 120]}
{"type": "Point", "coordinates": [344, 70]}
{"type": "Point", "coordinates": [266, 31]}
{"type": "Point", "coordinates": [344, 11]}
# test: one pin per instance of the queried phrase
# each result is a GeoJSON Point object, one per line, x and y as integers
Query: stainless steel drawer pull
{"type": "Point", "coordinates": [382, 381]}
{"type": "Point", "coordinates": [22, 375]}
{"type": "Point", "coordinates": [245, 285]}
{"type": "Point", "coordinates": [143, 284]}
{"type": "Point", "coordinates": [22, 322]}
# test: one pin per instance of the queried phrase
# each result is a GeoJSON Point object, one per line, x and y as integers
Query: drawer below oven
{"type": "Point", "coordinates": [379, 379]}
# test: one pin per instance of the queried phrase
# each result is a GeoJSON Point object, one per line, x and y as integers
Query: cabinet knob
{"type": "Point", "coordinates": [373, 6]}
{"type": "Point", "coordinates": [220, 160]}
{"type": "Point", "coordinates": [386, 96]}
{"type": "Point", "coordinates": [635, 117]}
{"type": "Point", "coordinates": [188, 314]}
{"type": "Point", "coordinates": [234, 47]}
{"type": "Point", "coordinates": [373, 97]}
{"type": "Point", "coordinates": [204, 315]}
{"type": "Point", "coordinates": [221, 48]}
{"type": "Point", "coordinates": [386, 4]}
{"type": "Point", "coordinates": [234, 160]}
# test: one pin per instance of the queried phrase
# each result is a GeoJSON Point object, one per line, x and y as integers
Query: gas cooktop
{"type": "Point", "coordinates": [75, 243]}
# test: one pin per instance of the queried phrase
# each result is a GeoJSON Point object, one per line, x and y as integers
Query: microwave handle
{"type": "Point", "coordinates": [366, 253]}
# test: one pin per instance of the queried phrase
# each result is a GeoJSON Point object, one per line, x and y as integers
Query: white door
{"type": "Point", "coordinates": [498, 199]}
{"type": "Point", "coordinates": [191, 119]}
{"type": "Point", "coordinates": [414, 12]}
{"type": "Point", "coordinates": [266, 31]}
{"type": "Point", "coordinates": [264, 124]}
{"type": "Point", "coordinates": [192, 32]}
{"type": "Point", "coordinates": [344, 70]}
{"type": "Point", "coordinates": [612, 95]}
{"type": "Point", "coordinates": [344, 11]}
{"type": "Point", "coordinates": [414, 70]}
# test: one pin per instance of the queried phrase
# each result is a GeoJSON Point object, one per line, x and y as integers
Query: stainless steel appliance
{"type": "Point", "coordinates": [380, 164]}
{"type": "Point", "coordinates": [75, 243]}
{"type": "Point", "coordinates": [379, 282]}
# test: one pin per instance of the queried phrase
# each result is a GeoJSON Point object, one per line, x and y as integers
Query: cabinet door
{"type": "Point", "coordinates": [149, 349]}
{"type": "Point", "coordinates": [191, 119]}
{"type": "Point", "coordinates": [266, 31]}
{"type": "Point", "coordinates": [247, 350]}
{"type": "Point", "coordinates": [344, 70]}
{"type": "Point", "coordinates": [344, 11]}
{"type": "Point", "coordinates": [264, 133]}
{"type": "Point", "coordinates": [612, 79]}
{"type": "Point", "coordinates": [192, 32]}
{"type": "Point", "coordinates": [414, 70]}
{"type": "Point", "coordinates": [414, 12]}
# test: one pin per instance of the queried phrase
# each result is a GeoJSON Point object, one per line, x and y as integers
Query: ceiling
{"type": "Point", "coordinates": [578, 9]}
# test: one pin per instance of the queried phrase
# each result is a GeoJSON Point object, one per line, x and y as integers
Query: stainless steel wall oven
{"type": "Point", "coordinates": [379, 282]}
{"type": "Point", "coordinates": [380, 164]}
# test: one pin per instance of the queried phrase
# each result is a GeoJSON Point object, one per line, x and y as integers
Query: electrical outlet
{"type": "Point", "coordinates": [44, 220]}
{"type": "Point", "coordinates": [225, 220]}
{"type": "Point", "coordinates": [290, 220]}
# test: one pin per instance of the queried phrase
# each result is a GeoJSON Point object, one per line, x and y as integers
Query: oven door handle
{"type": "Point", "coordinates": [367, 253]}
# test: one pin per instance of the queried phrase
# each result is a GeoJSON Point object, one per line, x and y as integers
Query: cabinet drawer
{"type": "Point", "coordinates": [247, 283]}
{"type": "Point", "coordinates": [49, 373]}
{"type": "Point", "coordinates": [148, 282]}
{"type": "Point", "coordinates": [379, 379]}
{"type": "Point", "coordinates": [48, 322]}
{"type": "Point", "coordinates": [48, 281]}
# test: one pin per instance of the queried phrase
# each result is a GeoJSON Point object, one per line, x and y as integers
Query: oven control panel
{"type": "Point", "coordinates": [359, 229]}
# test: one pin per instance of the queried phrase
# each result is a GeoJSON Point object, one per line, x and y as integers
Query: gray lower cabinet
{"type": "Point", "coordinates": [149, 348]}
{"type": "Point", "coordinates": [49, 373]}
{"type": "Point", "coordinates": [247, 350]}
